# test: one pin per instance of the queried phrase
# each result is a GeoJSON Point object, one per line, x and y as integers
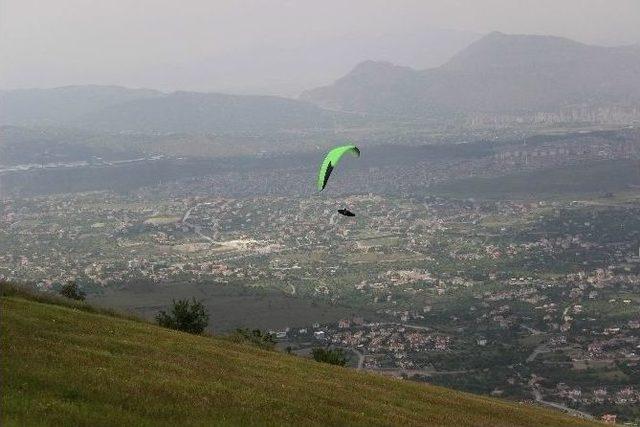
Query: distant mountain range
{"type": "Point", "coordinates": [63, 104]}
{"type": "Point", "coordinates": [287, 71]}
{"type": "Point", "coordinates": [498, 73]}
{"type": "Point", "coordinates": [188, 112]}
{"type": "Point", "coordinates": [118, 109]}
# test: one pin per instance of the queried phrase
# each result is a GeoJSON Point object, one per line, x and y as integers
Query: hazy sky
{"type": "Point", "coordinates": [173, 44]}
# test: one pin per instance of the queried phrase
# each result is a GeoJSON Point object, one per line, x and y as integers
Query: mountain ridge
{"type": "Point", "coordinates": [497, 73]}
{"type": "Point", "coordinates": [60, 104]}
{"type": "Point", "coordinates": [117, 109]}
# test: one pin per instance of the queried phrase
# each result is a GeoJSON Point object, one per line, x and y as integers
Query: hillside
{"type": "Point", "coordinates": [204, 112]}
{"type": "Point", "coordinates": [121, 110]}
{"type": "Point", "coordinates": [498, 73]}
{"type": "Point", "coordinates": [77, 366]}
{"type": "Point", "coordinates": [62, 104]}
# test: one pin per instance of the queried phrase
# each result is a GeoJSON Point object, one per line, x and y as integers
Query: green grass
{"type": "Point", "coordinates": [68, 365]}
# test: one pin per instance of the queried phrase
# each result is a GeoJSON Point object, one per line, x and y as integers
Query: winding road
{"type": "Point", "coordinates": [537, 394]}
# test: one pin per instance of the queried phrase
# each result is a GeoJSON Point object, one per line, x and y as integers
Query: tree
{"type": "Point", "coordinates": [72, 291]}
{"type": "Point", "coordinates": [187, 316]}
{"type": "Point", "coordinates": [333, 357]}
{"type": "Point", "coordinates": [254, 337]}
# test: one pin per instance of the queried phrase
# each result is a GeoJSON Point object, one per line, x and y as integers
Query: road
{"type": "Point", "coordinates": [187, 214]}
{"type": "Point", "coordinates": [360, 358]}
{"type": "Point", "coordinates": [422, 328]}
{"type": "Point", "coordinates": [196, 228]}
{"type": "Point", "coordinates": [404, 325]}
{"type": "Point", "coordinates": [538, 350]}
{"type": "Point", "coordinates": [537, 394]}
{"type": "Point", "coordinates": [424, 372]}
{"type": "Point", "coordinates": [532, 330]}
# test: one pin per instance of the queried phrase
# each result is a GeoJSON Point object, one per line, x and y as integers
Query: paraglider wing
{"type": "Point", "coordinates": [331, 160]}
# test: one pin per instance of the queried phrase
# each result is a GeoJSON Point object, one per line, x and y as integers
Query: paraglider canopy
{"type": "Point", "coordinates": [331, 160]}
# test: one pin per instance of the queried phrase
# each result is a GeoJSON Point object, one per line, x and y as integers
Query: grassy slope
{"type": "Point", "coordinates": [62, 365]}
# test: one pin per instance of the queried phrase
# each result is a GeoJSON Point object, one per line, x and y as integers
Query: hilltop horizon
{"type": "Point", "coordinates": [472, 38]}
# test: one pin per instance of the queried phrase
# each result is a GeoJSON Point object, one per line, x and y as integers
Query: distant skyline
{"type": "Point", "coordinates": [276, 46]}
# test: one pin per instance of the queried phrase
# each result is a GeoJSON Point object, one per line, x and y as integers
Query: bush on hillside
{"type": "Point", "coordinates": [187, 316]}
{"type": "Point", "coordinates": [254, 337]}
{"type": "Point", "coordinates": [331, 356]}
{"type": "Point", "coordinates": [72, 291]}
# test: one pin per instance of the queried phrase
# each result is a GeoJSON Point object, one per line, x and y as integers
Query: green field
{"type": "Point", "coordinates": [75, 365]}
{"type": "Point", "coordinates": [230, 306]}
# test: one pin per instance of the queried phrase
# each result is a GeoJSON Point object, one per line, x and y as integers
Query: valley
{"type": "Point", "coordinates": [506, 269]}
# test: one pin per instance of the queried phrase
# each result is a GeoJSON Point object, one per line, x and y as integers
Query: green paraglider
{"type": "Point", "coordinates": [331, 160]}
